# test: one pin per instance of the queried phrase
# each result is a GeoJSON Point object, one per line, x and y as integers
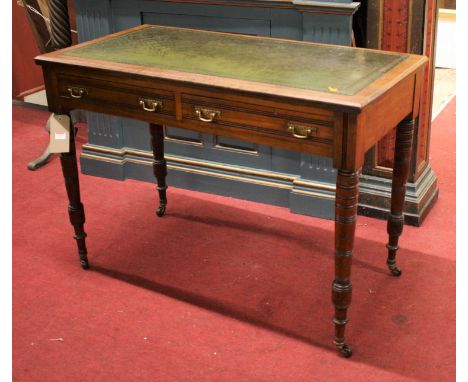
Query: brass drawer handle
{"type": "Point", "coordinates": [301, 131]}
{"type": "Point", "coordinates": [77, 92]}
{"type": "Point", "coordinates": [207, 115]}
{"type": "Point", "coordinates": [150, 104]}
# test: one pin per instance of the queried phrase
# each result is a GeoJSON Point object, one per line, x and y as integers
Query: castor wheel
{"type": "Point", "coordinates": [84, 263]}
{"type": "Point", "coordinates": [345, 351]}
{"type": "Point", "coordinates": [394, 270]}
{"type": "Point", "coordinates": [161, 211]}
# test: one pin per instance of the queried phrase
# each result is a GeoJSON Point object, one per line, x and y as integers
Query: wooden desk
{"type": "Point", "coordinates": [326, 100]}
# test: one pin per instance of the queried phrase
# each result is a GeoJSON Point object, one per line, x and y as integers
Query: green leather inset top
{"type": "Point", "coordinates": [324, 68]}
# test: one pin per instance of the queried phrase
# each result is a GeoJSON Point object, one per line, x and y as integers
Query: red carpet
{"type": "Point", "coordinates": [219, 289]}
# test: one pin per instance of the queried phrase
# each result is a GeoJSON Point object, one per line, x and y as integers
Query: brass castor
{"type": "Point", "coordinates": [84, 263]}
{"type": "Point", "coordinates": [345, 350]}
{"type": "Point", "coordinates": [161, 211]}
{"type": "Point", "coordinates": [394, 270]}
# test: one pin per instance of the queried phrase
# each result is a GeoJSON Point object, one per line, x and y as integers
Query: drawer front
{"type": "Point", "coordinates": [273, 123]}
{"type": "Point", "coordinates": [256, 120]}
{"type": "Point", "coordinates": [138, 102]}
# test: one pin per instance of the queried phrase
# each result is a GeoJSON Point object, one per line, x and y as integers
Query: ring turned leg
{"type": "Point", "coordinates": [347, 190]}
{"type": "Point", "coordinates": [159, 165]}
{"type": "Point", "coordinates": [75, 207]}
{"type": "Point", "coordinates": [402, 159]}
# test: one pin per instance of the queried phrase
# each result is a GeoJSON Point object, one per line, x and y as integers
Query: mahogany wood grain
{"type": "Point", "coordinates": [342, 127]}
{"type": "Point", "coordinates": [159, 165]}
{"type": "Point", "coordinates": [402, 158]}
{"type": "Point", "coordinates": [389, 111]}
{"type": "Point", "coordinates": [346, 202]}
{"type": "Point", "coordinates": [75, 207]}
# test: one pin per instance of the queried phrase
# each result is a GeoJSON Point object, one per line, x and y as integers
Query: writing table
{"type": "Point", "coordinates": [326, 100]}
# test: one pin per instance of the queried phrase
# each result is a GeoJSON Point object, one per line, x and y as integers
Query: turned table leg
{"type": "Point", "coordinates": [159, 165]}
{"type": "Point", "coordinates": [346, 203]}
{"type": "Point", "coordinates": [401, 164]}
{"type": "Point", "coordinates": [75, 207]}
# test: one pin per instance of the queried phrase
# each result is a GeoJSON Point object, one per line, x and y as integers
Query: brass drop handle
{"type": "Point", "coordinates": [150, 104]}
{"type": "Point", "coordinates": [301, 131]}
{"type": "Point", "coordinates": [77, 92]}
{"type": "Point", "coordinates": [207, 115]}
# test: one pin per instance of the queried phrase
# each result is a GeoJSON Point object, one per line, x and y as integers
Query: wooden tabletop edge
{"type": "Point", "coordinates": [354, 102]}
{"type": "Point", "coordinates": [344, 102]}
{"type": "Point", "coordinates": [416, 62]}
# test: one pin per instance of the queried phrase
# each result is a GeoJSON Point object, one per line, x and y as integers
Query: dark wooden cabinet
{"type": "Point", "coordinates": [402, 26]}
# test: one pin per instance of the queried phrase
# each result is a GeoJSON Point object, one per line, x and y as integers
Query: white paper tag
{"type": "Point", "coordinates": [59, 133]}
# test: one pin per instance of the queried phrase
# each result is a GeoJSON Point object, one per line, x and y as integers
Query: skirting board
{"type": "Point", "coordinates": [286, 190]}
{"type": "Point", "coordinates": [375, 196]}
{"type": "Point", "coordinates": [261, 186]}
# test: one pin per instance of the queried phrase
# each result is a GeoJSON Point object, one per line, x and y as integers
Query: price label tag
{"type": "Point", "coordinates": [59, 133]}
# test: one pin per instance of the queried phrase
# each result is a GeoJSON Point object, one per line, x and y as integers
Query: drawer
{"type": "Point", "coordinates": [279, 122]}
{"type": "Point", "coordinates": [85, 93]}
